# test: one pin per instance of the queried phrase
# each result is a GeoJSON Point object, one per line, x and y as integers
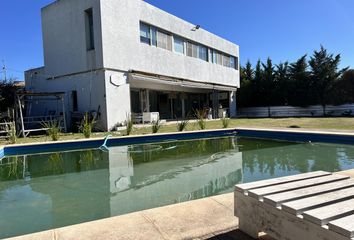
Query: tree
{"type": "Point", "coordinates": [281, 81]}
{"type": "Point", "coordinates": [347, 86]}
{"type": "Point", "coordinates": [257, 84]}
{"type": "Point", "coordinates": [268, 83]}
{"type": "Point", "coordinates": [245, 96]}
{"type": "Point", "coordinates": [7, 94]}
{"type": "Point", "coordinates": [324, 74]}
{"type": "Point", "coordinates": [299, 83]}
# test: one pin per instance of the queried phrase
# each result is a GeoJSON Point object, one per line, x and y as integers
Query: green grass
{"type": "Point", "coordinates": [328, 124]}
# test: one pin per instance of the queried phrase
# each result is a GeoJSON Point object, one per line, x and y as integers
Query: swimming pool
{"type": "Point", "coordinates": [48, 190]}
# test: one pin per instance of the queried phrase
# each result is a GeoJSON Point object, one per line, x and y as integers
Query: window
{"type": "Point", "coordinates": [203, 53]}
{"type": "Point", "coordinates": [154, 36]}
{"type": "Point", "coordinates": [90, 39]}
{"type": "Point", "coordinates": [178, 44]}
{"type": "Point", "coordinates": [153, 32]}
{"type": "Point", "coordinates": [226, 61]}
{"type": "Point", "coordinates": [192, 50]}
{"type": "Point", "coordinates": [213, 56]}
{"type": "Point", "coordinates": [218, 58]}
{"type": "Point", "coordinates": [145, 34]}
{"type": "Point", "coordinates": [233, 62]}
{"type": "Point", "coordinates": [189, 49]}
{"type": "Point", "coordinates": [164, 40]}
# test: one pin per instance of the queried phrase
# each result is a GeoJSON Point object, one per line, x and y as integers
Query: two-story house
{"type": "Point", "coordinates": [118, 57]}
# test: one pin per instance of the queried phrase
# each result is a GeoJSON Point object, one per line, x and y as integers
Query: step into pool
{"type": "Point", "coordinates": [49, 190]}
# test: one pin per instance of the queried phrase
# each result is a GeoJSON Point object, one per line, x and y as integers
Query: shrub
{"type": "Point", "coordinates": [53, 129]}
{"type": "Point", "coordinates": [225, 122]}
{"type": "Point", "coordinates": [87, 125]}
{"type": "Point", "coordinates": [182, 125]}
{"type": "Point", "coordinates": [129, 124]}
{"type": "Point", "coordinates": [156, 125]}
{"type": "Point", "coordinates": [201, 118]}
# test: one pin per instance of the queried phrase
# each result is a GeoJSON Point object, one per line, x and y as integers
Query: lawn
{"type": "Point", "coordinates": [328, 124]}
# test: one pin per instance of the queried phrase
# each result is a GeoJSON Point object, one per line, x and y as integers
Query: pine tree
{"type": "Point", "coordinates": [324, 74]}
{"type": "Point", "coordinates": [268, 83]}
{"type": "Point", "coordinates": [300, 83]}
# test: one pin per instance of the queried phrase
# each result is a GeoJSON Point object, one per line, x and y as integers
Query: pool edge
{"type": "Point", "coordinates": [298, 135]}
{"type": "Point", "coordinates": [97, 142]}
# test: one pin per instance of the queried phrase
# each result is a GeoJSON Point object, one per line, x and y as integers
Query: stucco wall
{"type": "Point", "coordinates": [64, 37]}
{"type": "Point", "coordinates": [118, 99]}
{"type": "Point", "coordinates": [122, 48]}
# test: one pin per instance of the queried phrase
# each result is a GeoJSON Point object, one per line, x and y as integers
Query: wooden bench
{"type": "Point", "coordinates": [317, 205]}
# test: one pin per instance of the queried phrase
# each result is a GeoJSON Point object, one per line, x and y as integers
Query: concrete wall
{"type": "Point", "coordinates": [64, 37]}
{"type": "Point", "coordinates": [117, 98]}
{"type": "Point", "coordinates": [122, 48]}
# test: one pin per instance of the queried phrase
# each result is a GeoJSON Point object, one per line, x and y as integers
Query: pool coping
{"type": "Point", "coordinates": [112, 141]}
{"type": "Point", "coordinates": [297, 135]}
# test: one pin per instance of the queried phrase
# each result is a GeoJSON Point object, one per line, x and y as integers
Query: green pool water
{"type": "Point", "coordinates": [50, 190]}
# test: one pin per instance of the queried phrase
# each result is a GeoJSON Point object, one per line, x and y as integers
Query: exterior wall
{"type": "Point", "coordinates": [64, 37]}
{"type": "Point", "coordinates": [117, 98]}
{"type": "Point", "coordinates": [122, 48]}
{"type": "Point", "coordinates": [89, 86]}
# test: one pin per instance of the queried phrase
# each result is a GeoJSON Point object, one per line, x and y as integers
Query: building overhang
{"type": "Point", "coordinates": [138, 76]}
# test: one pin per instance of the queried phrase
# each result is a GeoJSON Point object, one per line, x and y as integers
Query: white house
{"type": "Point", "coordinates": [118, 57]}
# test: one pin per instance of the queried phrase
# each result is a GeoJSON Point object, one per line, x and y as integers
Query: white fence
{"type": "Point", "coordinates": [288, 111]}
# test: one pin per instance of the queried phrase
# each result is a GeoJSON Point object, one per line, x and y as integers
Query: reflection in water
{"type": "Point", "coordinates": [42, 191]}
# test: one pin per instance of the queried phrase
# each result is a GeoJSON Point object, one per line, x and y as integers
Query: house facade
{"type": "Point", "coordinates": [117, 57]}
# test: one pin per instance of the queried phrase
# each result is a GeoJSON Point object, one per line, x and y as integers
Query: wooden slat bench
{"type": "Point", "coordinates": [317, 205]}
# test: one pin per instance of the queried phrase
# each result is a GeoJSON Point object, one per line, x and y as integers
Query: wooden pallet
{"type": "Point", "coordinates": [317, 205]}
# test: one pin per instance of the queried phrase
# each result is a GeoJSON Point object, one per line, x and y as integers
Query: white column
{"type": "Point", "coordinates": [233, 107]}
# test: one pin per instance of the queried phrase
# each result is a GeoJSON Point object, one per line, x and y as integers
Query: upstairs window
{"type": "Point", "coordinates": [164, 40]}
{"type": "Point", "coordinates": [154, 36]}
{"type": "Point", "coordinates": [217, 57]}
{"type": "Point", "coordinates": [192, 50]}
{"type": "Point", "coordinates": [153, 32]}
{"type": "Point", "coordinates": [178, 44]}
{"type": "Point", "coordinates": [145, 36]}
{"type": "Point", "coordinates": [203, 53]}
{"type": "Point", "coordinates": [90, 38]}
{"type": "Point", "coordinates": [226, 61]}
{"type": "Point", "coordinates": [234, 62]}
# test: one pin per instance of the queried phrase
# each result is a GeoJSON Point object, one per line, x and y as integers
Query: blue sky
{"type": "Point", "coordinates": [282, 30]}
